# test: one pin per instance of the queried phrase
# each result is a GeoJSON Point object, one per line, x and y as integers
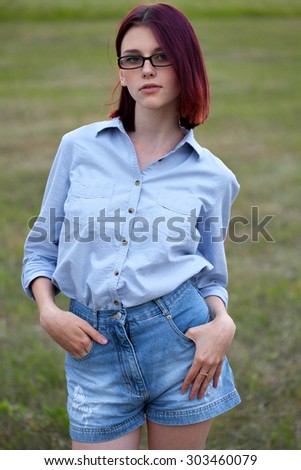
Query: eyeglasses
{"type": "Point", "coordinates": [137, 61]}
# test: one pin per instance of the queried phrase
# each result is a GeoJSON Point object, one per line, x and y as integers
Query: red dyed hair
{"type": "Point", "coordinates": [178, 40]}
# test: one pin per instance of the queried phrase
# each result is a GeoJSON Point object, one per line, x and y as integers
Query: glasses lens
{"type": "Point", "coordinates": [137, 61]}
{"type": "Point", "coordinates": [131, 62]}
{"type": "Point", "coordinates": [160, 60]}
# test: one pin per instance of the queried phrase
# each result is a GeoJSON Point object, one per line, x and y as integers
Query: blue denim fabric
{"type": "Point", "coordinates": [138, 374]}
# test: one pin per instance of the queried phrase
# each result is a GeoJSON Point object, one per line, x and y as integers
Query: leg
{"type": "Point", "coordinates": [130, 441]}
{"type": "Point", "coordinates": [188, 437]}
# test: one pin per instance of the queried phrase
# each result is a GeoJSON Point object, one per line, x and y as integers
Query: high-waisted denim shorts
{"type": "Point", "coordinates": [138, 374]}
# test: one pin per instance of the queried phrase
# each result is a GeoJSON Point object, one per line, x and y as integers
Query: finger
{"type": "Point", "coordinates": [94, 334]}
{"type": "Point", "coordinates": [217, 375]}
{"type": "Point", "coordinates": [204, 386]}
{"type": "Point", "coordinates": [200, 379]}
{"type": "Point", "coordinates": [79, 355]}
{"type": "Point", "coordinates": [190, 377]}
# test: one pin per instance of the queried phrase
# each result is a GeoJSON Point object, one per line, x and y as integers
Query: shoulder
{"type": "Point", "coordinates": [226, 179]}
{"type": "Point", "coordinates": [85, 142]}
{"type": "Point", "coordinates": [207, 162]}
{"type": "Point", "coordinates": [217, 165]}
{"type": "Point", "coordinates": [88, 132]}
{"type": "Point", "coordinates": [219, 178]}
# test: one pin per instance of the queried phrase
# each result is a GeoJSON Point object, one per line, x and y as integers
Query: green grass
{"type": "Point", "coordinates": [57, 74]}
{"type": "Point", "coordinates": [101, 9]}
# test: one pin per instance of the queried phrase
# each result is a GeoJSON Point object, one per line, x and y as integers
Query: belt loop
{"type": "Point", "coordinates": [95, 317]}
{"type": "Point", "coordinates": [162, 306]}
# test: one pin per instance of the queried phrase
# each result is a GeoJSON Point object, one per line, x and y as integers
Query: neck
{"type": "Point", "coordinates": [155, 126]}
{"type": "Point", "coordinates": [156, 134]}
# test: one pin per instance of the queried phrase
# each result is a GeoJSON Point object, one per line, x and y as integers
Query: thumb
{"type": "Point", "coordinates": [191, 334]}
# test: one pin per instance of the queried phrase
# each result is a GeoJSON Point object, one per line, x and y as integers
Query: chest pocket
{"type": "Point", "coordinates": [84, 203]}
{"type": "Point", "coordinates": [176, 215]}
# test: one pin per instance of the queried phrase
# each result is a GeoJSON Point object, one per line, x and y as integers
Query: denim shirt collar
{"type": "Point", "coordinates": [187, 139]}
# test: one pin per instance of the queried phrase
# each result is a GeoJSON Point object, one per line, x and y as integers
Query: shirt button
{"type": "Point", "coordinates": [137, 182]}
{"type": "Point", "coordinates": [124, 242]}
{"type": "Point", "coordinates": [116, 272]}
{"type": "Point", "coordinates": [116, 302]}
{"type": "Point", "coordinates": [131, 210]}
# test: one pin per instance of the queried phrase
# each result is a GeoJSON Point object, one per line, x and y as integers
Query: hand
{"type": "Point", "coordinates": [212, 341]}
{"type": "Point", "coordinates": [72, 333]}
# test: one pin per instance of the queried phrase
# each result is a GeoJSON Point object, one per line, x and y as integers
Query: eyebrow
{"type": "Point", "coordinates": [138, 52]}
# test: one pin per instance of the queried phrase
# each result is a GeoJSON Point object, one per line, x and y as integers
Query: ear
{"type": "Point", "coordinates": [121, 78]}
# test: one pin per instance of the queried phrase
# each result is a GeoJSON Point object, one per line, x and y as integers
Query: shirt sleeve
{"type": "Point", "coordinates": [213, 227]}
{"type": "Point", "coordinates": [41, 245]}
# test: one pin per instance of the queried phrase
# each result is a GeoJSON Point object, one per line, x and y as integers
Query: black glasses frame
{"type": "Point", "coordinates": [143, 61]}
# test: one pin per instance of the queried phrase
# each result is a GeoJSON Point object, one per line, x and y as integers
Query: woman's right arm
{"type": "Point", "coordinates": [40, 259]}
{"type": "Point", "coordinates": [68, 330]}
{"type": "Point", "coordinates": [41, 245]}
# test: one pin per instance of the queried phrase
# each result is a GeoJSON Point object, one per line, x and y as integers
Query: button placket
{"type": "Point", "coordinates": [125, 241]}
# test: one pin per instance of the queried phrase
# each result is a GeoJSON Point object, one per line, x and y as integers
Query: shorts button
{"type": "Point", "coordinates": [117, 315]}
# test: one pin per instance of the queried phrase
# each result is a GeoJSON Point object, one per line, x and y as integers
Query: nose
{"type": "Point", "coordinates": [148, 69]}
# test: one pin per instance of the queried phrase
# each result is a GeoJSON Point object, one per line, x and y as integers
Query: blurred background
{"type": "Point", "coordinates": [57, 72]}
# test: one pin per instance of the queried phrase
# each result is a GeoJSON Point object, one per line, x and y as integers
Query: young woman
{"type": "Point", "coordinates": [132, 230]}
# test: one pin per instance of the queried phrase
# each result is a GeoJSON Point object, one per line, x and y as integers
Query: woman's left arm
{"type": "Point", "coordinates": [212, 342]}
{"type": "Point", "coordinates": [213, 339]}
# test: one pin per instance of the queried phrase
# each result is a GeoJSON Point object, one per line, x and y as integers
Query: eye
{"type": "Point", "coordinates": [132, 59]}
{"type": "Point", "coordinates": [161, 57]}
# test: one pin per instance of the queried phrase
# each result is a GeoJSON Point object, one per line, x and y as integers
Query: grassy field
{"type": "Point", "coordinates": [57, 72]}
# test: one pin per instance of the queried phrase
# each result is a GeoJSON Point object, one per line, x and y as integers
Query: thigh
{"type": "Point", "coordinates": [188, 437]}
{"type": "Point", "coordinates": [130, 441]}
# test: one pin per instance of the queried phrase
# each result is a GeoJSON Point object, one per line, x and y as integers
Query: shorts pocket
{"type": "Point", "coordinates": [188, 311]}
{"type": "Point", "coordinates": [89, 318]}
{"type": "Point", "coordinates": [86, 356]}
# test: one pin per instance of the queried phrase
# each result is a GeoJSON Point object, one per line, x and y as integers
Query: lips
{"type": "Point", "coordinates": [150, 86]}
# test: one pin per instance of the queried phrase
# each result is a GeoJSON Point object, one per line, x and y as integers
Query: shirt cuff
{"type": "Point", "coordinates": [27, 280]}
{"type": "Point", "coordinates": [217, 290]}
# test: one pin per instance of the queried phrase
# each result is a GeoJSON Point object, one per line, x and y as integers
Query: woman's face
{"type": "Point", "coordinates": [151, 87]}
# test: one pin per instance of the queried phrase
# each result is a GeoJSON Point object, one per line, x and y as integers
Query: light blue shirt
{"type": "Point", "coordinates": [109, 234]}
